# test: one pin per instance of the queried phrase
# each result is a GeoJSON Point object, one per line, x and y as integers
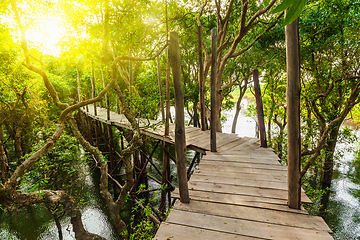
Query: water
{"type": "Point", "coordinates": [344, 201]}
{"type": "Point", "coordinates": [37, 223]}
{"type": "Point", "coordinates": [245, 126]}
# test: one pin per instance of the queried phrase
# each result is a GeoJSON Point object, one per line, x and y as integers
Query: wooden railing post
{"type": "Point", "coordinates": [293, 113]}
{"type": "Point", "coordinates": [259, 108]}
{"type": "Point", "coordinates": [93, 94]}
{"type": "Point", "coordinates": [107, 102]}
{"type": "Point", "coordinates": [180, 145]}
{"type": "Point", "coordinates": [213, 89]}
{"type": "Point", "coordinates": [160, 88]}
{"type": "Point", "coordinates": [201, 80]}
{"type": "Point", "coordinates": [78, 85]}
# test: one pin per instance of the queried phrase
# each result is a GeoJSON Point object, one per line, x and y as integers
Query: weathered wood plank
{"type": "Point", "coordinates": [239, 164]}
{"type": "Point", "coordinates": [244, 175]}
{"type": "Point", "coordinates": [252, 154]}
{"type": "Point", "coordinates": [255, 214]}
{"type": "Point", "coordinates": [244, 190]}
{"type": "Point", "coordinates": [239, 182]}
{"type": "Point", "coordinates": [217, 168]}
{"type": "Point", "coordinates": [242, 200]}
{"type": "Point", "coordinates": [247, 143]}
{"type": "Point", "coordinates": [180, 232]}
{"type": "Point", "coordinates": [242, 159]}
{"type": "Point", "coordinates": [230, 145]}
{"type": "Point", "coordinates": [244, 227]}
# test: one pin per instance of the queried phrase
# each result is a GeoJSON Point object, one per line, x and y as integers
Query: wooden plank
{"type": "Point", "coordinates": [244, 175]}
{"type": "Point", "coordinates": [255, 214]}
{"type": "Point", "coordinates": [221, 139]}
{"type": "Point", "coordinates": [239, 182]}
{"type": "Point", "coordinates": [265, 149]}
{"type": "Point", "coordinates": [252, 146]}
{"type": "Point", "coordinates": [217, 168]}
{"type": "Point", "coordinates": [249, 154]}
{"type": "Point", "coordinates": [252, 154]}
{"type": "Point", "coordinates": [239, 164]}
{"type": "Point", "coordinates": [225, 139]}
{"type": "Point", "coordinates": [244, 190]}
{"type": "Point", "coordinates": [197, 136]}
{"type": "Point", "coordinates": [189, 129]}
{"type": "Point", "coordinates": [196, 133]}
{"type": "Point", "coordinates": [244, 227]}
{"type": "Point", "coordinates": [196, 149]}
{"type": "Point", "coordinates": [242, 200]}
{"type": "Point", "coordinates": [243, 159]}
{"type": "Point", "coordinates": [245, 144]}
{"type": "Point", "coordinates": [231, 145]}
{"type": "Point", "coordinates": [180, 232]}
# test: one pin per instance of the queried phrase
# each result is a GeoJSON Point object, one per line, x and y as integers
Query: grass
{"type": "Point", "coordinates": [236, 93]}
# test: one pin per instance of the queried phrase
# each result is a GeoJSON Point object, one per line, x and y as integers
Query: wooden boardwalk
{"type": "Point", "coordinates": [240, 192]}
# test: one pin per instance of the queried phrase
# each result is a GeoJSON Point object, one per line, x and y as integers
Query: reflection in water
{"type": "Point", "coordinates": [245, 126]}
{"type": "Point", "coordinates": [344, 201]}
{"type": "Point", "coordinates": [37, 223]}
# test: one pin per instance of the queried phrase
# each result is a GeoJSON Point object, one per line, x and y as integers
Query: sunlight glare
{"type": "Point", "coordinates": [45, 35]}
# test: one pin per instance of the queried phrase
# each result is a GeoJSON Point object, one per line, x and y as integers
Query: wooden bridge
{"type": "Point", "coordinates": [239, 192]}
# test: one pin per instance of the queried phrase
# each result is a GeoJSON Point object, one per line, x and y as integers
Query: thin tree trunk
{"type": "Point", "coordinates": [3, 158]}
{"type": "Point", "coordinates": [329, 158]}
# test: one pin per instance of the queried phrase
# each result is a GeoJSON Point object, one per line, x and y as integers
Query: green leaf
{"type": "Point", "coordinates": [18, 179]}
{"type": "Point", "coordinates": [283, 6]}
{"type": "Point", "coordinates": [294, 11]}
{"type": "Point", "coordinates": [266, 2]}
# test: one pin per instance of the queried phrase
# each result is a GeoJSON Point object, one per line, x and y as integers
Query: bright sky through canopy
{"type": "Point", "coordinates": [45, 34]}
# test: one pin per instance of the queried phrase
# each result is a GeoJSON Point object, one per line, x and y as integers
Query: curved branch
{"type": "Point", "coordinates": [119, 58]}
{"type": "Point", "coordinates": [256, 39]}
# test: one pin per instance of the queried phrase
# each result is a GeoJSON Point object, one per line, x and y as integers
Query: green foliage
{"type": "Point", "coordinates": [60, 169]}
{"type": "Point", "coordinates": [294, 7]}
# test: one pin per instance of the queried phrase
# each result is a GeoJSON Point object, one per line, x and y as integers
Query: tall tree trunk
{"type": "Point", "coordinates": [328, 166]}
{"type": "Point", "coordinates": [219, 98]}
{"type": "Point", "coordinates": [329, 158]}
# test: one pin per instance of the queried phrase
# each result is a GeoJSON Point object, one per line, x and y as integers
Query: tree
{"type": "Point", "coordinates": [331, 83]}
{"type": "Point", "coordinates": [233, 41]}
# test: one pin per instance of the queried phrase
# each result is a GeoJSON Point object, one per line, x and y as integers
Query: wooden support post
{"type": "Point", "coordinates": [78, 85]}
{"type": "Point", "coordinates": [107, 103]}
{"type": "Point", "coordinates": [165, 162]}
{"type": "Point", "coordinates": [180, 145]}
{"type": "Point", "coordinates": [201, 80]}
{"type": "Point", "coordinates": [160, 89]}
{"type": "Point", "coordinates": [293, 113]}
{"type": "Point", "coordinates": [259, 108]}
{"type": "Point", "coordinates": [213, 90]}
{"type": "Point", "coordinates": [86, 106]}
{"type": "Point", "coordinates": [167, 112]}
{"type": "Point", "coordinates": [197, 155]}
{"type": "Point", "coordinates": [93, 85]}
